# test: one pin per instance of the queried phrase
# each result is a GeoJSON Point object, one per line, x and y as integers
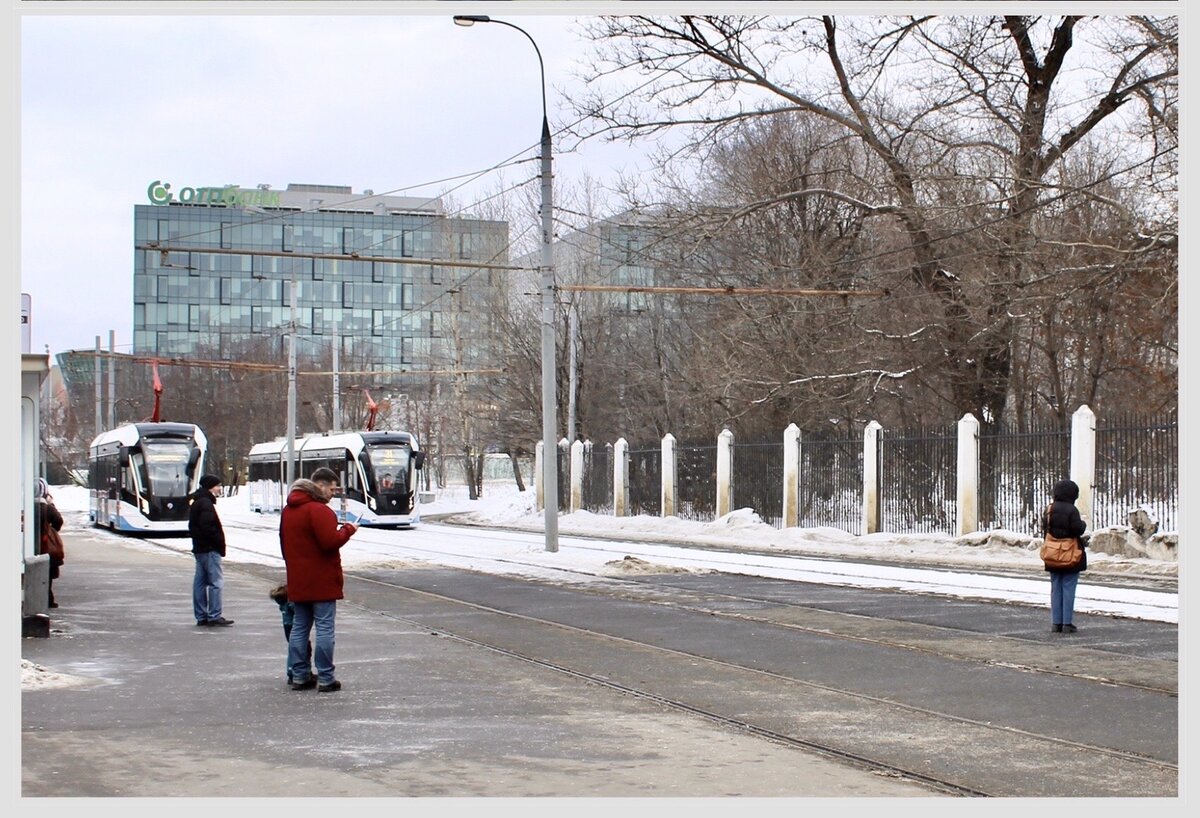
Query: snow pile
{"type": "Point", "coordinates": [36, 677]}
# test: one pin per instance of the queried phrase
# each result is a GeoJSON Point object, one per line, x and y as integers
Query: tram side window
{"type": "Point", "coordinates": [335, 460]}
{"type": "Point", "coordinates": [104, 471]}
{"type": "Point", "coordinates": [264, 470]}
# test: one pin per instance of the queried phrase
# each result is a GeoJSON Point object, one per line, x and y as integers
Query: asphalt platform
{"type": "Point", "coordinates": [130, 698]}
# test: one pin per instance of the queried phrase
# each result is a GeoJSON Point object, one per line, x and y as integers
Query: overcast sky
{"type": "Point", "coordinates": [110, 103]}
{"type": "Point", "coordinates": [198, 95]}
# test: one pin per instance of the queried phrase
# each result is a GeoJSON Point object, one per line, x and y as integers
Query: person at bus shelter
{"type": "Point", "coordinates": [311, 540]}
{"type": "Point", "coordinates": [208, 547]}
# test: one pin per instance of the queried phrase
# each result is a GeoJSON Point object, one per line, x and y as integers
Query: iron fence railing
{"type": "Point", "coordinates": [1137, 467]}
{"type": "Point", "coordinates": [1017, 470]}
{"type": "Point", "coordinates": [917, 479]}
{"type": "Point", "coordinates": [563, 478]}
{"type": "Point", "coordinates": [758, 480]}
{"type": "Point", "coordinates": [597, 482]}
{"type": "Point", "coordinates": [696, 481]}
{"type": "Point", "coordinates": [645, 481]}
{"type": "Point", "coordinates": [831, 480]}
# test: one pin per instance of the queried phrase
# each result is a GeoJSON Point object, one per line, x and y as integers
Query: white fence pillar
{"type": "Point", "coordinates": [968, 475]}
{"type": "Point", "coordinates": [791, 476]}
{"type": "Point", "coordinates": [539, 483]}
{"type": "Point", "coordinates": [577, 475]}
{"type": "Point", "coordinates": [670, 475]}
{"type": "Point", "coordinates": [1083, 459]}
{"type": "Point", "coordinates": [724, 473]}
{"type": "Point", "coordinates": [621, 478]}
{"type": "Point", "coordinates": [871, 507]}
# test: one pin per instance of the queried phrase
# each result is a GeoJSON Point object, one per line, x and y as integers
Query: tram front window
{"type": "Point", "coordinates": [389, 466]}
{"type": "Point", "coordinates": [166, 468]}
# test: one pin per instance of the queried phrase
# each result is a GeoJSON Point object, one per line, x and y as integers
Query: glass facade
{"type": "Point", "coordinates": [221, 305]}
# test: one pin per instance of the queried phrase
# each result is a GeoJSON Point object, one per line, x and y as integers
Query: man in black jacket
{"type": "Point", "coordinates": [208, 547]}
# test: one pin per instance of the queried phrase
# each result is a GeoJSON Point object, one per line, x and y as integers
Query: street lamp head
{"type": "Point", "coordinates": [468, 20]}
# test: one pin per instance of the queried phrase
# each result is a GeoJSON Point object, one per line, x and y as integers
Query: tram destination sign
{"type": "Point", "coordinates": [161, 193]}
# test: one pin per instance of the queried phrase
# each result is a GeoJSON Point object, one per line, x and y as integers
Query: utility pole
{"type": "Point", "coordinates": [291, 395]}
{"type": "Point", "coordinates": [337, 379]}
{"type": "Point", "coordinates": [549, 398]}
{"type": "Point", "coordinates": [572, 340]}
{"type": "Point", "coordinates": [112, 380]}
{"type": "Point", "coordinates": [99, 393]}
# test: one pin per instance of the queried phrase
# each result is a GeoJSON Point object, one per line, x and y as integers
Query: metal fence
{"type": "Point", "coordinates": [645, 481]}
{"type": "Point", "coordinates": [758, 480]}
{"type": "Point", "coordinates": [918, 479]}
{"type": "Point", "coordinates": [696, 481]}
{"type": "Point", "coordinates": [1137, 467]}
{"type": "Point", "coordinates": [564, 478]}
{"type": "Point", "coordinates": [831, 480]}
{"type": "Point", "coordinates": [1017, 471]}
{"type": "Point", "coordinates": [598, 479]}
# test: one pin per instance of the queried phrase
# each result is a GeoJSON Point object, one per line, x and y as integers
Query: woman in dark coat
{"type": "Point", "coordinates": [1062, 520]}
{"type": "Point", "coordinates": [48, 516]}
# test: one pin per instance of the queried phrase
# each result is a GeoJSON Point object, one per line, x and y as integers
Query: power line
{"type": "Point", "coordinates": [271, 368]}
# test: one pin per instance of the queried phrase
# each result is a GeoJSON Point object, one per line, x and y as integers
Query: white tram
{"type": "Point", "coordinates": [377, 470]}
{"type": "Point", "coordinates": [140, 476]}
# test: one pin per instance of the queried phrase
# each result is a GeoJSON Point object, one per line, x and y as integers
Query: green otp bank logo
{"type": "Point", "coordinates": [160, 193]}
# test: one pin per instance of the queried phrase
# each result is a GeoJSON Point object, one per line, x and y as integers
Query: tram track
{"type": "Point", "coordinates": [769, 684]}
{"type": "Point", "coordinates": [1156, 676]}
{"type": "Point", "coordinates": [383, 591]}
{"type": "Point", "coordinates": [446, 612]}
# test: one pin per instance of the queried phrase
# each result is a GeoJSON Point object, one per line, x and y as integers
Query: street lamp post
{"type": "Point", "coordinates": [549, 420]}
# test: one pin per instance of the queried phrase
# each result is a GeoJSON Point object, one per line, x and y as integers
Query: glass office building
{"type": "Point", "coordinates": [214, 270]}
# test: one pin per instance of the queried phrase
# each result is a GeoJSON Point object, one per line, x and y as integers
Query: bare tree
{"type": "Point", "coordinates": [960, 126]}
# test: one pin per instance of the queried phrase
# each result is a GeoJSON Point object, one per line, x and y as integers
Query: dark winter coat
{"type": "Point", "coordinates": [204, 525]}
{"type": "Point", "coordinates": [1062, 520]}
{"type": "Point", "coordinates": [310, 539]}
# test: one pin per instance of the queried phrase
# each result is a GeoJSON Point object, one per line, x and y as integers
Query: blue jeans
{"type": "Point", "coordinates": [206, 586]}
{"type": "Point", "coordinates": [308, 614]}
{"type": "Point", "coordinates": [1062, 597]}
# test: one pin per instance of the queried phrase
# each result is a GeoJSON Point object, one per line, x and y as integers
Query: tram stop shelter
{"type": "Point", "coordinates": [35, 568]}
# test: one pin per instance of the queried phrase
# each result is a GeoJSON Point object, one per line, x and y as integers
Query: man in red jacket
{"type": "Point", "coordinates": [311, 539]}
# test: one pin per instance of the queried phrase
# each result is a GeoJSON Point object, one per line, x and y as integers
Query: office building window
{"type": "Point", "coordinates": [226, 235]}
{"type": "Point", "coordinates": [377, 272]}
{"type": "Point", "coordinates": [163, 290]}
{"type": "Point", "coordinates": [377, 322]}
{"type": "Point", "coordinates": [226, 291]}
{"type": "Point", "coordinates": [406, 350]}
{"type": "Point", "coordinates": [194, 318]}
{"type": "Point", "coordinates": [406, 296]}
{"type": "Point", "coordinates": [318, 321]}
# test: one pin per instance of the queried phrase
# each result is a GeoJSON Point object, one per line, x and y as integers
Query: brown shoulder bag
{"type": "Point", "coordinates": [52, 544]}
{"type": "Point", "coordinates": [1060, 553]}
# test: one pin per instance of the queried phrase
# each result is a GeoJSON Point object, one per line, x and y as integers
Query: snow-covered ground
{"type": "Point", "coordinates": [504, 535]}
